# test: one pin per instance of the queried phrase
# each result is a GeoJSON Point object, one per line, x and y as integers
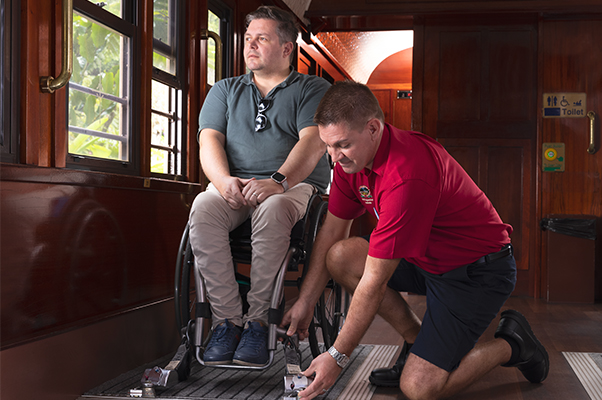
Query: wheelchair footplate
{"type": "Point", "coordinates": [177, 370]}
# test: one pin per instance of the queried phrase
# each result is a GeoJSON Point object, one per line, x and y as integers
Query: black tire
{"type": "Point", "coordinates": [184, 293]}
{"type": "Point", "coordinates": [330, 311]}
{"type": "Point", "coordinates": [329, 317]}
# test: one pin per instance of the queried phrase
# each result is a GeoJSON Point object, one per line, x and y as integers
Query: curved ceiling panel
{"type": "Point", "coordinates": [361, 52]}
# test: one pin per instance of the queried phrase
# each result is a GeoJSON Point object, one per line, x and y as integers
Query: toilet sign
{"type": "Point", "coordinates": [564, 105]}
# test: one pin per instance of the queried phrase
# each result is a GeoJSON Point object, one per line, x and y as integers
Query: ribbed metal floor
{"type": "Point", "coordinates": [206, 383]}
{"type": "Point", "coordinates": [588, 368]}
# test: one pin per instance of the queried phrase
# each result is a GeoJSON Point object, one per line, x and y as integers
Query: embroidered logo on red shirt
{"type": "Point", "coordinates": [365, 194]}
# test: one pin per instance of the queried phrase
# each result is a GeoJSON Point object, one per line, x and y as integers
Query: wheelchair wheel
{"type": "Point", "coordinates": [330, 311]}
{"type": "Point", "coordinates": [329, 317]}
{"type": "Point", "coordinates": [184, 294]}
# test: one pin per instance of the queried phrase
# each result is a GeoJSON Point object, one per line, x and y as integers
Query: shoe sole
{"type": "Point", "coordinates": [379, 383]}
{"type": "Point", "coordinates": [520, 320]}
{"type": "Point", "coordinates": [248, 364]}
{"type": "Point", "coordinates": [212, 363]}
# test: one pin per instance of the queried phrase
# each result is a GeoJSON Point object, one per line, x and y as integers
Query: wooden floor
{"type": "Point", "coordinates": [559, 327]}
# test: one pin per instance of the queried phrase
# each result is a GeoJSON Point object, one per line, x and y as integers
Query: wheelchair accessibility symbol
{"type": "Point", "coordinates": [564, 102]}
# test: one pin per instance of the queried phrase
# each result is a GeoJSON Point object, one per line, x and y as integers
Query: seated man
{"type": "Point", "coordinates": [437, 234]}
{"type": "Point", "coordinates": [261, 151]}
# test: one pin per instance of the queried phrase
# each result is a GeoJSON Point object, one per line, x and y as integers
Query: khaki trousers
{"type": "Point", "coordinates": [212, 219]}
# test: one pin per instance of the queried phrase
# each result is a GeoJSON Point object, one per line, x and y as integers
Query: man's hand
{"type": "Point", "coordinates": [231, 189]}
{"type": "Point", "coordinates": [326, 373]}
{"type": "Point", "coordinates": [298, 319]}
{"type": "Point", "coordinates": [257, 191]}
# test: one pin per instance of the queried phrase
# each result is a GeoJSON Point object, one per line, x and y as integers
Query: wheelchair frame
{"type": "Point", "coordinates": [193, 310]}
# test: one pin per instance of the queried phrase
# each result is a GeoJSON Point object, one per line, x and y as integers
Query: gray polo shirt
{"type": "Point", "coordinates": [231, 108]}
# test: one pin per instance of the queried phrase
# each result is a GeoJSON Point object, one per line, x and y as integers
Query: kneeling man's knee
{"type": "Point", "coordinates": [343, 254]}
{"type": "Point", "coordinates": [421, 380]}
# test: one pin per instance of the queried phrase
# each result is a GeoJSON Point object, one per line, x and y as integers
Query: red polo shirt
{"type": "Point", "coordinates": [429, 210]}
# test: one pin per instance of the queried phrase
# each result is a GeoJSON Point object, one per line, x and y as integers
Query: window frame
{"type": "Point", "coordinates": [176, 83]}
{"type": "Point", "coordinates": [10, 78]}
{"type": "Point", "coordinates": [225, 15]}
{"type": "Point", "coordinates": [128, 25]}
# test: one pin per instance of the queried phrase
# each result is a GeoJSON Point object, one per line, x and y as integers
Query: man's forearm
{"type": "Point", "coordinates": [317, 276]}
{"type": "Point", "coordinates": [303, 158]}
{"type": "Point", "coordinates": [365, 303]}
{"type": "Point", "coordinates": [212, 154]}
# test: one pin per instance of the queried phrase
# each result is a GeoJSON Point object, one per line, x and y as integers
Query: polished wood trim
{"type": "Point", "coordinates": [196, 78]}
{"type": "Point", "coordinates": [386, 7]}
{"type": "Point", "coordinates": [55, 176]}
{"type": "Point", "coordinates": [60, 134]}
{"type": "Point", "coordinates": [145, 30]}
{"type": "Point", "coordinates": [418, 76]}
{"type": "Point", "coordinates": [37, 59]}
{"type": "Point", "coordinates": [63, 366]}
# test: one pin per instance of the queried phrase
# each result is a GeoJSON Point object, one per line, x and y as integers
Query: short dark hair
{"type": "Point", "coordinates": [348, 102]}
{"type": "Point", "coordinates": [288, 27]}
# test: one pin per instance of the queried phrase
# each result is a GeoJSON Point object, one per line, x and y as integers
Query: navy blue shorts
{"type": "Point", "coordinates": [460, 305]}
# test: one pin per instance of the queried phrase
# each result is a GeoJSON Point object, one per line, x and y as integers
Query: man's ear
{"type": "Point", "coordinates": [375, 126]}
{"type": "Point", "coordinates": [288, 49]}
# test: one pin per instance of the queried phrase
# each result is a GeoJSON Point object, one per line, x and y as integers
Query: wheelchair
{"type": "Point", "coordinates": [193, 311]}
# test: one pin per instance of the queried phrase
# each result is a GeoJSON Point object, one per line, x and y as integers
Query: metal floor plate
{"type": "Point", "coordinates": [207, 383]}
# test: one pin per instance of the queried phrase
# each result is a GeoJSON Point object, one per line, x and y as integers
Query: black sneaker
{"type": "Point", "coordinates": [224, 340]}
{"type": "Point", "coordinates": [253, 347]}
{"type": "Point", "coordinates": [532, 360]}
{"type": "Point", "coordinates": [389, 377]}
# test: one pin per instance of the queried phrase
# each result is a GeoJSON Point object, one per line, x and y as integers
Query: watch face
{"type": "Point", "coordinates": [278, 177]}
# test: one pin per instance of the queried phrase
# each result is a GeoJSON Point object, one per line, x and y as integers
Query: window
{"type": "Point", "coordinates": [168, 91]}
{"type": "Point", "coordinates": [3, 68]}
{"type": "Point", "coordinates": [218, 22]}
{"type": "Point", "coordinates": [9, 80]}
{"type": "Point", "coordinates": [101, 90]}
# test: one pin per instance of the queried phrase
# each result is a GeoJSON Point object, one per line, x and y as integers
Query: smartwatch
{"type": "Point", "coordinates": [280, 179]}
{"type": "Point", "coordinates": [341, 359]}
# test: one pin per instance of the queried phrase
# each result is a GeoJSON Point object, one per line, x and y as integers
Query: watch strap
{"type": "Point", "coordinates": [341, 359]}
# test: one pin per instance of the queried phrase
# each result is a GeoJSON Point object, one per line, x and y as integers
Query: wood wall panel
{"type": "Point", "coordinates": [512, 53]}
{"type": "Point", "coordinates": [503, 170]}
{"type": "Point", "coordinates": [572, 57]}
{"type": "Point", "coordinates": [398, 112]}
{"type": "Point", "coordinates": [402, 113]}
{"type": "Point", "coordinates": [571, 54]}
{"type": "Point", "coordinates": [484, 81]}
{"type": "Point", "coordinates": [80, 246]}
{"type": "Point", "coordinates": [384, 101]}
{"type": "Point", "coordinates": [460, 74]}
{"type": "Point", "coordinates": [479, 92]}
{"type": "Point", "coordinates": [345, 15]}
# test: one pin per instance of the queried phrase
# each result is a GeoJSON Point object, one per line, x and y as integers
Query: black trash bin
{"type": "Point", "coordinates": [571, 242]}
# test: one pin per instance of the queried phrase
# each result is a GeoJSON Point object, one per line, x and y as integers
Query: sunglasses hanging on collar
{"type": "Point", "coordinates": [261, 120]}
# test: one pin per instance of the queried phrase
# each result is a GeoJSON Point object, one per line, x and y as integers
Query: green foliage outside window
{"type": "Point", "coordinates": [214, 26]}
{"type": "Point", "coordinates": [97, 63]}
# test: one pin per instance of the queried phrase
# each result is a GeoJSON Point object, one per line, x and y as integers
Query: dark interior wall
{"type": "Point", "coordinates": [78, 247]}
{"type": "Point", "coordinates": [479, 91]}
